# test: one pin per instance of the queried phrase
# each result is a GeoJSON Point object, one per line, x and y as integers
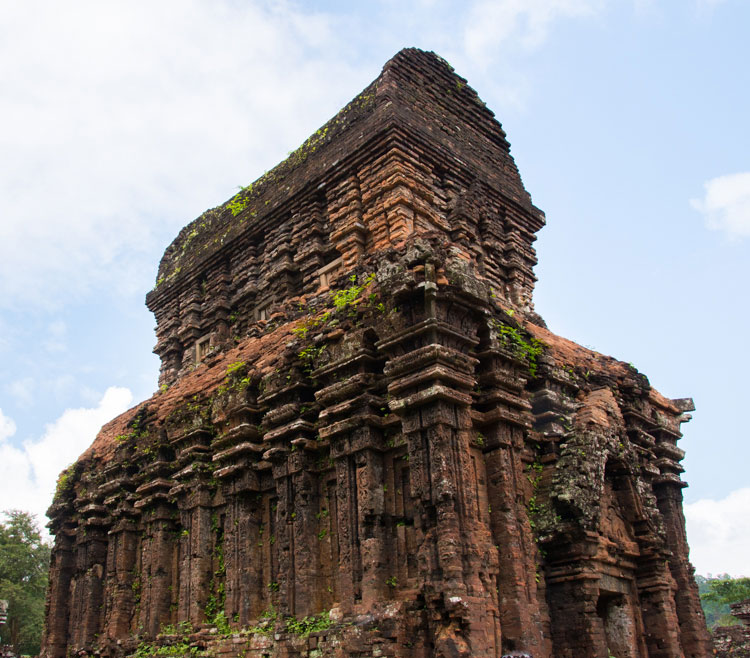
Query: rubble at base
{"type": "Point", "coordinates": [734, 641]}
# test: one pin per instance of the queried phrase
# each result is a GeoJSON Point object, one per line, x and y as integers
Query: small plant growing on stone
{"type": "Point", "coordinates": [310, 355]}
{"type": "Point", "coordinates": [349, 297]}
{"type": "Point", "coordinates": [221, 622]}
{"type": "Point", "coordinates": [528, 350]}
{"type": "Point", "coordinates": [234, 367]}
{"type": "Point", "coordinates": [312, 624]}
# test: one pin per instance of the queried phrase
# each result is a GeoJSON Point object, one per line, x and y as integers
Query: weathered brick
{"type": "Point", "coordinates": [361, 415]}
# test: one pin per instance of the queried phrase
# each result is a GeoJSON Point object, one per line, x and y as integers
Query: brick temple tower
{"type": "Point", "coordinates": [366, 443]}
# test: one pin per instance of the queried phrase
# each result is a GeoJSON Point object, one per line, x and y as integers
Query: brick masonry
{"type": "Point", "coordinates": [361, 415]}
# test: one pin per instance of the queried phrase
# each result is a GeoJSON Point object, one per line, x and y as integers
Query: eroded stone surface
{"type": "Point", "coordinates": [362, 416]}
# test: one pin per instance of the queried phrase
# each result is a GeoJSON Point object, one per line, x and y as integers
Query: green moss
{"type": "Point", "coordinates": [240, 206]}
{"type": "Point", "coordinates": [65, 483]}
{"type": "Point", "coordinates": [525, 347]}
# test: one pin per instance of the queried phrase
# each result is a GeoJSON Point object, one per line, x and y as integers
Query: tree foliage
{"type": "Point", "coordinates": [729, 590]}
{"type": "Point", "coordinates": [24, 565]}
{"type": "Point", "coordinates": [716, 595]}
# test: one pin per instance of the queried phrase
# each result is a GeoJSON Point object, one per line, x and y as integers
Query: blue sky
{"type": "Point", "coordinates": [122, 121]}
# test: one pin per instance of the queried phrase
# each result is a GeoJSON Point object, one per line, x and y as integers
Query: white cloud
{"type": "Point", "coordinates": [7, 427]}
{"type": "Point", "coordinates": [726, 204]}
{"type": "Point", "coordinates": [495, 34]}
{"type": "Point", "coordinates": [28, 474]}
{"type": "Point", "coordinates": [495, 24]}
{"type": "Point", "coordinates": [719, 534]}
{"type": "Point", "coordinates": [123, 121]}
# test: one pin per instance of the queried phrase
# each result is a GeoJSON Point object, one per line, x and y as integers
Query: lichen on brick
{"type": "Point", "coordinates": [365, 441]}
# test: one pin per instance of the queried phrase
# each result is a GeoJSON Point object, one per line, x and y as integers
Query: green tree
{"type": "Point", "coordinates": [717, 593]}
{"type": "Point", "coordinates": [24, 565]}
{"type": "Point", "coordinates": [728, 590]}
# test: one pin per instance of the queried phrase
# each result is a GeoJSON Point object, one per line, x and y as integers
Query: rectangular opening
{"type": "Point", "coordinates": [202, 348]}
{"type": "Point", "coordinates": [262, 312]}
{"type": "Point", "coordinates": [329, 272]}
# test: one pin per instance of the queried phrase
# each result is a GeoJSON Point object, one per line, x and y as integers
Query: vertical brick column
{"type": "Point", "coordinates": [660, 560]}
{"type": "Point", "coordinates": [293, 540]}
{"type": "Point", "coordinates": [196, 561]}
{"type": "Point", "coordinates": [656, 594]}
{"type": "Point", "coordinates": [87, 591]}
{"type": "Point", "coordinates": [694, 637]}
{"type": "Point", "coordinates": [57, 613]}
{"type": "Point", "coordinates": [158, 556]}
{"type": "Point", "coordinates": [122, 549]}
{"type": "Point", "coordinates": [121, 563]}
{"type": "Point", "coordinates": [350, 427]}
{"type": "Point", "coordinates": [288, 439]}
{"type": "Point", "coordinates": [244, 582]}
{"type": "Point", "coordinates": [430, 379]}
{"type": "Point", "coordinates": [301, 523]}
{"type": "Point", "coordinates": [236, 452]}
{"type": "Point", "coordinates": [193, 542]}
{"type": "Point", "coordinates": [363, 569]}
{"type": "Point", "coordinates": [502, 415]}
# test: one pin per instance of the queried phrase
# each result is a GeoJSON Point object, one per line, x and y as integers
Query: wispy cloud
{"type": "Point", "coordinates": [719, 534]}
{"type": "Point", "coordinates": [7, 427]}
{"type": "Point", "coordinates": [495, 36]}
{"type": "Point", "coordinates": [725, 205]}
{"type": "Point", "coordinates": [28, 473]}
{"type": "Point", "coordinates": [495, 25]}
{"type": "Point", "coordinates": [123, 121]}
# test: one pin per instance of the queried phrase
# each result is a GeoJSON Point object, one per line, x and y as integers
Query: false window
{"type": "Point", "coordinates": [329, 272]}
{"type": "Point", "coordinates": [202, 348]}
{"type": "Point", "coordinates": [263, 312]}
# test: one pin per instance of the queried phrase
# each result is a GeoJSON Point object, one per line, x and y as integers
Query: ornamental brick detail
{"type": "Point", "coordinates": [366, 442]}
